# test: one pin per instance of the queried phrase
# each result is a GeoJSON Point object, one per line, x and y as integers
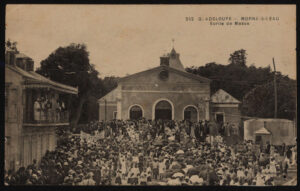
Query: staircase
{"type": "Point", "coordinates": [292, 169]}
{"type": "Point", "coordinates": [292, 174]}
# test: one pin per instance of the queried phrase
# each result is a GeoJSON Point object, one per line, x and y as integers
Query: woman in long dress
{"type": "Point", "coordinates": [123, 167]}
{"type": "Point", "coordinates": [37, 110]}
{"type": "Point", "coordinates": [294, 158]}
{"type": "Point", "coordinates": [192, 134]}
{"type": "Point", "coordinates": [273, 171]}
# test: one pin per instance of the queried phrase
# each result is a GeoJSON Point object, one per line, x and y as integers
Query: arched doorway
{"type": "Point", "coordinates": [190, 113]}
{"type": "Point", "coordinates": [163, 110]}
{"type": "Point", "coordinates": [135, 112]}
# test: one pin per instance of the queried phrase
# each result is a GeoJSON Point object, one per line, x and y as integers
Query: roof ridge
{"type": "Point", "coordinates": [34, 76]}
{"type": "Point", "coordinates": [186, 74]}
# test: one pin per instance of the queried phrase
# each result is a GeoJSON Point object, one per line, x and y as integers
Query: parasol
{"type": "Point", "coordinates": [196, 179]}
{"type": "Point", "coordinates": [180, 152]}
{"type": "Point", "coordinates": [172, 138]}
{"type": "Point", "coordinates": [178, 175]}
{"type": "Point", "coordinates": [174, 182]}
{"type": "Point", "coordinates": [193, 171]}
{"type": "Point", "coordinates": [176, 165]}
{"type": "Point", "coordinates": [162, 183]}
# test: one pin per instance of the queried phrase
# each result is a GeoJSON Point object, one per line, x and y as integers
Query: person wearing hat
{"type": "Point", "coordinates": [155, 165]}
{"type": "Point", "coordinates": [273, 170]}
{"type": "Point", "coordinates": [162, 168]}
{"type": "Point", "coordinates": [123, 167]}
{"type": "Point", "coordinates": [143, 178]}
{"type": "Point", "coordinates": [97, 174]}
{"type": "Point", "coordinates": [240, 173]}
{"type": "Point", "coordinates": [89, 180]}
{"type": "Point", "coordinates": [118, 177]}
{"type": "Point", "coordinates": [259, 179]}
{"type": "Point", "coordinates": [37, 109]}
{"type": "Point", "coordinates": [149, 173]}
{"type": "Point", "coordinates": [135, 174]}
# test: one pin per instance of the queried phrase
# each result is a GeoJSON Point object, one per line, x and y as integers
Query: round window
{"type": "Point", "coordinates": [163, 75]}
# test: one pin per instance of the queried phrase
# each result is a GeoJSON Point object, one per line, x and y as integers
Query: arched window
{"type": "Point", "coordinates": [190, 113]}
{"type": "Point", "coordinates": [135, 112]}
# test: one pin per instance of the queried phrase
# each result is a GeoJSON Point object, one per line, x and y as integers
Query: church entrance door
{"type": "Point", "coordinates": [163, 110]}
{"type": "Point", "coordinates": [191, 114]}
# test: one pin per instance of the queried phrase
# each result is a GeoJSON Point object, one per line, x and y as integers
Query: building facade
{"type": "Point", "coordinates": [168, 92]}
{"type": "Point", "coordinates": [34, 107]}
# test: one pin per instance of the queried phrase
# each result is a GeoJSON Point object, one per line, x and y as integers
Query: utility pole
{"type": "Point", "coordinates": [275, 90]}
{"type": "Point", "coordinates": [105, 109]}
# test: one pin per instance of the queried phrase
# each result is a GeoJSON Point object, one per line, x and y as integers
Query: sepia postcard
{"type": "Point", "coordinates": [139, 95]}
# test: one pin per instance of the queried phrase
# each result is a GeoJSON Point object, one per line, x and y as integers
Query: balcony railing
{"type": "Point", "coordinates": [48, 117]}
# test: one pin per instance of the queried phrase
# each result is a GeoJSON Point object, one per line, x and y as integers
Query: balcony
{"type": "Point", "coordinates": [48, 118]}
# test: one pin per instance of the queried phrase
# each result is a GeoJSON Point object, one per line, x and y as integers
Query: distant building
{"type": "Point", "coordinates": [274, 131]}
{"type": "Point", "coordinates": [34, 107]}
{"type": "Point", "coordinates": [168, 92]}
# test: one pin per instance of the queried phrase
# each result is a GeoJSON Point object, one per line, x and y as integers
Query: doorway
{"type": "Point", "coordinates": [163, 110]}
{"type": "Point", "coordinates": [190, 114]}
{"type": "Point", "coordinates": [220, 118]}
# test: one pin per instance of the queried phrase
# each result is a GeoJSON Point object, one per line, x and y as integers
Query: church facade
{"type": "Point", "coordinates": [167, 92]}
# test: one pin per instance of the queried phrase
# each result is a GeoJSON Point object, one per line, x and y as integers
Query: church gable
{"type": "Point", "coordinates": [163, 74]}
{"type": "Point", "coordinates": [110, 97]}
{"type": "Point", "coordinates": [223, 97]}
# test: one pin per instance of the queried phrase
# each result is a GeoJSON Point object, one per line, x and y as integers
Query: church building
{"type": "Point", "coordinates": [168, 92]}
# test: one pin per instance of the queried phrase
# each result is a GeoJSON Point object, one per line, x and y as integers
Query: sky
{"type": "Point", "coordinates": [125, 39]}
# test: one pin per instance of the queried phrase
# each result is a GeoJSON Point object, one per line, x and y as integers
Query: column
{"type": "Point", "coordinates": [42, 145]}
{"type": "Point", "coordinates": [207, 109]}
{"type": "Point", "coordinates": [119, 102]}
{"type": "Point", "coordinates": [38, 150]}
{"type": "Point", "coordinates": [33, 147]}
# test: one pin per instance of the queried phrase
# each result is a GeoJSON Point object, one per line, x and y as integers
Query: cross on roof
{"type": "Point", "coordinates": [173, 40]}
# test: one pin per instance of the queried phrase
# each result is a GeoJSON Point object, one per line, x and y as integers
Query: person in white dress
{"type": "Point", "coordinates": [273, 170]}
{"type": "Point", "coordinates": [162, 168]}
{"type": "Point", "coordinates": [294, 152]}
{"type": "Point", "coordinates": [259, 180]}
{"type": "Point", "coordinates": [123, 167]}
{"type": "Point", "coordinates": [37, 110]}
{"type": "Point", "coordinates": [193, 132]}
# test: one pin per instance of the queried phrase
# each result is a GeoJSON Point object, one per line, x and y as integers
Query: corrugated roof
{"type": "Point", "coordinates": [33, 78]}
{"type": "Point", "coordinates": [21, 55]}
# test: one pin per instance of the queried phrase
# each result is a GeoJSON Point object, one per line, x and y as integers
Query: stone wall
{"type": "Point", "coordinates": [35, 141]}
{"type": "Point", "coordinates": [13, 118]}
{"type": "Point", "coordinates": [147, 101]}
{"type": "Point", "coordinates": [110, 109]}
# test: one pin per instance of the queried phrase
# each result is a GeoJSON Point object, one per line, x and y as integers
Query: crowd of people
{"type": "Point", "coordinates": [155, 153]}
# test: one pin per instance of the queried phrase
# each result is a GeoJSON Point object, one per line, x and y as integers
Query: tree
{"type": "Point", "coordinates": [70, 65]}
{"type": "Point", "coordinates": [239, 80]}
{"type": "Point", "coordinates": [12, 45]}
{"type": "Point", "coordinates": [110, 83]}
{"type": "Point", "coordinates": [259, 101]}
{"type": "Point", "coordinates": [238, 57]}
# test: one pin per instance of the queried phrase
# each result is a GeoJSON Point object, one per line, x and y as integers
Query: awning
{"type": "Point", "coordinates": [262, 131]}
{"type": "Point", "coordinates": [41, 85]}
